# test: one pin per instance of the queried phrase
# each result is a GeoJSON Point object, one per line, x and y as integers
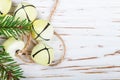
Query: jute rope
{"type": "Point", "coordinates": [64, 52]}
{"type": "Point", "coordinates": [55, 33]}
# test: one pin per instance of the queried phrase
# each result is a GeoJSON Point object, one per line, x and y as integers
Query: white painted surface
{"type": "Point", "coordinates": [90, 29]}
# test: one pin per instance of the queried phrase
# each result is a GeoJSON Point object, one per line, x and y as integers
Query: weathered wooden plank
{"type": "Point", "coordinates": [91, 31]}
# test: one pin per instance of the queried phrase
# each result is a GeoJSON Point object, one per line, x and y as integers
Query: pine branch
{"type": "Point", "coordinates": [9, 26]}
{"type": "Point", "coordinates": [9, 70]}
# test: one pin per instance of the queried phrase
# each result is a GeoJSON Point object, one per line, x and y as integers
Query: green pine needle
{"type": "Point", "coordinates": [9, 26]}
{"type": "Point", "coordinates": [9, 70]}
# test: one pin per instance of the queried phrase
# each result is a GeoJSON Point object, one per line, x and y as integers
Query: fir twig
{"type": "Point", "coordinates": [9, 70]}
{"type": "Point", "coordinates": [9, 26]}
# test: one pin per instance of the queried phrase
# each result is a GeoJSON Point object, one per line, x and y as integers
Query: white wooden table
{"type": "Point", "coordinates": [91, 31]}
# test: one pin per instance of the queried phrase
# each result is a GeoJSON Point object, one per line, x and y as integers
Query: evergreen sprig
{"type": "Point", "coordinates": [9, 70]}
{"type": "Point", "coordinates": [10, 26]}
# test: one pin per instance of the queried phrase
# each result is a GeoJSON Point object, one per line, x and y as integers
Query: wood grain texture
{"type": "Point", "coordinates": [91, 31]}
